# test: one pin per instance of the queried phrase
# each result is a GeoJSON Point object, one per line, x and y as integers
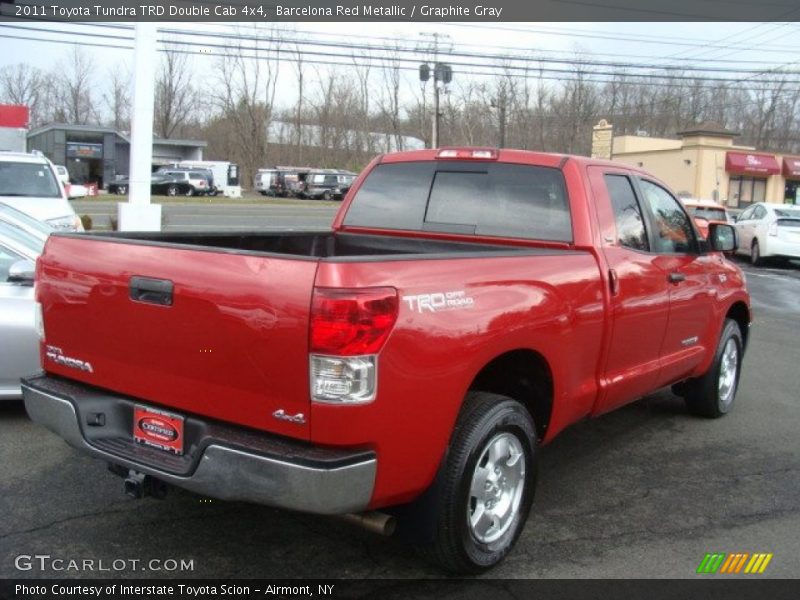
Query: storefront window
{"type": "Point", "coordinates": [743, 191]}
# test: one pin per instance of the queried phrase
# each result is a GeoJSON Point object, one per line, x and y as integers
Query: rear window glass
{"type": "Point", "coordinates": [196, 175]}
{"type": "Point", "coordinates": [789, 222]}
{"type": "Point", "coordinates": [492, 199]}
{"type": "Point", "coordinates": [712, 214]}
{"type": "Point", "coordinates": [792, 213]}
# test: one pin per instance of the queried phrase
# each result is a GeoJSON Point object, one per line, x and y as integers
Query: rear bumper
{"type": "Point", "coordinates": [778, 247]}
{"type": "Point", "coordinates": [223, 461]}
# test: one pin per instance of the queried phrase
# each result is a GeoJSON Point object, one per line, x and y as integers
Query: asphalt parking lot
{"type": "Point", "coordinates": [642, 492]}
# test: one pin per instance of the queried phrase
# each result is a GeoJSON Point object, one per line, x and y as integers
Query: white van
{"type": "Point", "coordinates": [29, 183]}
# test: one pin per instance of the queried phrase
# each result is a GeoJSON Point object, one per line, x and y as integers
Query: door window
{"type": "Point", "coordinates": [631, 231]}
{"type": "Point", "coordinates": [673, 231]}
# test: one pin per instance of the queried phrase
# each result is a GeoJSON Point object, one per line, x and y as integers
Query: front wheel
{"type": "Point", "coordinates": [189, 192]}
{"type": "Point", "coordinates": [488, 484]}
{"type": "Point", "coordinates": [712, 395]}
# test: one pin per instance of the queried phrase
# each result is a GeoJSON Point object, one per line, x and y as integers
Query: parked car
{"type": "Point", "coordinates": [17, 218]}
{"type": "Point", "coordinates": [197, 180]}
{"type": "Point", "coordinates": [327, 184]}
{"type": "Point", "coordinates": [195, 176]}
{"type": "Point", "coordinates": [769, 230]}
{"type": "Point", "coordinates": [74, 190]}
{"type": "Point", "coordinates": [704, 212]}
{"type": "Point", "coordinates": [160, 184]}
{"type": "Point", "coordinates": [467, 306]}
{"type": "Point", "coordinates": [19, 348]}
{"type": "Point", "coordinates": [28, 182]}
{"type": "Point", "coordinates": [280, 181]}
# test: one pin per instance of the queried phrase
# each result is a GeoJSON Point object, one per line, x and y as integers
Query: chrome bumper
{"type": "Point", "coordinates": [228, 473]}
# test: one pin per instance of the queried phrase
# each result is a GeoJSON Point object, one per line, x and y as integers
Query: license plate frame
{"type": "Point", "coordinates": [158, 429]}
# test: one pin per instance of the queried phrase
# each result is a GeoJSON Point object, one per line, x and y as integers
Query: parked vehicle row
{"type": "Point", "coordinates": [189, 178]}
{"type": "Point", "coordinates": [295, 182]}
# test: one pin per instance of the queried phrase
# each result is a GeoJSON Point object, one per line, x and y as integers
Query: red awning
{"type": "Point", "coordinates": [791, 167]}
{"type": "Point", "coordinates": [752, 164]}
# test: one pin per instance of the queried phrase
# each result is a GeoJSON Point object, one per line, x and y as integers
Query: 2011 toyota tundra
{"type": "Point", "coordinates": [467, 305]}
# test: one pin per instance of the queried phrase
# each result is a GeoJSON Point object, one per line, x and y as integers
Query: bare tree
{"type": "Point", "coordinates": [248, 76]}
{"type": "Point", "coordinates": [25, 85]}
{"type": "Point", "coordinates": [117, 97]}
{"type": "Point", "coordinates": [176, 97]}
{"type": "Point", "coordinates": [71, 84]}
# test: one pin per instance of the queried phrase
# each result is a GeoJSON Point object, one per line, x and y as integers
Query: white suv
{"type": "Point", "coordinates": [28, 182]}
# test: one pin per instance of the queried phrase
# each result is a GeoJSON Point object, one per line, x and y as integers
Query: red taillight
{"type": "Point", "coordinates": [352, 322]}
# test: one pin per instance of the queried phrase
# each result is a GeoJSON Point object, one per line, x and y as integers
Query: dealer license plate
{"type": "Point", "coordinates": [158, 429]}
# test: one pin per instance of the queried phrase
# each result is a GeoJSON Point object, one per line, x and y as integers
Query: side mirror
{"type": "Point", "coordinates": [22, 272]}
{"type": "Point", "coordinates": [722, 237]}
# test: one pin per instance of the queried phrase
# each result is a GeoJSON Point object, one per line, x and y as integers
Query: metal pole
{"type": "Point", "coordinates": [138, 214]}
{"type": "Point", "coordinates": [435, 137]}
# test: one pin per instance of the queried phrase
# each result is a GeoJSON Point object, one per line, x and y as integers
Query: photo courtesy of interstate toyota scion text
{"type": "Point", "coordinates": [403, 368]}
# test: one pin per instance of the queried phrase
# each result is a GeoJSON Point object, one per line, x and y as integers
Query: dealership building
{"type": "Point", "coordinates": [704, 162]}
{"type": "Point", "coordinates": [101, 154]}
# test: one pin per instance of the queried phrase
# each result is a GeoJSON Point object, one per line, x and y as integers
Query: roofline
{"type": "Point", "coordinates": [124, 136]}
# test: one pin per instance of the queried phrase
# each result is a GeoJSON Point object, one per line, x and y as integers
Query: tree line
{"type": "Point", "coordinates": [342, 115]}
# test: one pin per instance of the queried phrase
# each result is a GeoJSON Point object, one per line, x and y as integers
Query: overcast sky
{"type": "Point", "coordinates": [764, 45]}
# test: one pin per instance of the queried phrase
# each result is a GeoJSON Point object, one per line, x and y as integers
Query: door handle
{"type": "Point", "coordinates": [152, 291]}
{"type": "Point", "coordinates": [676, 277]}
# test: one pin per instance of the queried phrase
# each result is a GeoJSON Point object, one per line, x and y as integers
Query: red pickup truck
{"type": "Point", "coordinates": [467, 305]}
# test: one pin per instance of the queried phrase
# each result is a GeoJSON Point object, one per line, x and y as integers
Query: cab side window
{"type": "Point", "coordinates": [673, 231]}
{"type": "Point", "coordinates": [631, 231]}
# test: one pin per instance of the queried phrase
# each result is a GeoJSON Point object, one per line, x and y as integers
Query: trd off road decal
{"type": "Point", "coordinates": [438, 301]}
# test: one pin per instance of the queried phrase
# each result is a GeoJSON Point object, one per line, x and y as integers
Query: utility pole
{"type": "Point", "coordinates": [139, 214]}
{"type": "Point", "coordinates": [442, 74]}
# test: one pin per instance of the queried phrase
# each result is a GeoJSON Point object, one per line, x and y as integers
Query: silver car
{"type": "Point", "coordinates": [19, 342]}
{"type": "Point", "coordinates": [21, 220]}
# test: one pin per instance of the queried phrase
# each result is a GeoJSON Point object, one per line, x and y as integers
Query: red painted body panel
{"type": "Point", "coordinates": [234, 346]}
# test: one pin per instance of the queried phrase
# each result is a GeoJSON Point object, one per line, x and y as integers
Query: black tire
{"type": "Point", "coordinates": [755, 254]}
{"type": "Point", "coordinates": [213, 193]}
{"type": "Point", "coordinates": [712, 395]}
{"type": "Point", "coordinates": [189, 192]}
{"type": "Point", "coordinates": [327, 196]}
{"type": "Point", "coordinates": [172, 190]}
{"type": "Point", "coordinates": [486, 420]}
{"type": "Point", "coordinates": [122, 190]}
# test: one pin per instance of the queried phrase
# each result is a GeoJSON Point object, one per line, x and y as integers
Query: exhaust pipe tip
{"type": "Point", "coordinates": [376, 522]}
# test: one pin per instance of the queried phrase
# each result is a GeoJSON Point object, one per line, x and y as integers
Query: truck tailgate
{"type": "Point", "coordinates": [232, 344]}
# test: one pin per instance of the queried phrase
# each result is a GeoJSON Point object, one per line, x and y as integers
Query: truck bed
{"type": "Point", "coordinates": [316, 245]}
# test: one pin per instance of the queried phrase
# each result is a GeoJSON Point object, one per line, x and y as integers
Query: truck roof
{"type": "Point", "coordinates": [545, 159]}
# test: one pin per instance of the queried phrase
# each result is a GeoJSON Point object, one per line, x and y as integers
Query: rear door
{"type": "Point", "coordinates": [639, 294]}
{"type": "Point", "coordinates": [230, 341]}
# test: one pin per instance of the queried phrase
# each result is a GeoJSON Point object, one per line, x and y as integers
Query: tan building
{"type": "Point", "coordinates": [704, 163]}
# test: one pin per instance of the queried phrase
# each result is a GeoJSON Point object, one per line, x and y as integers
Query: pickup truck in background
{"type": "Point", "coordinates": [467, 305]}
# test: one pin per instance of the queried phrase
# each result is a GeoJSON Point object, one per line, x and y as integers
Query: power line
{"type": "Point", "coordinates": [525, 72]}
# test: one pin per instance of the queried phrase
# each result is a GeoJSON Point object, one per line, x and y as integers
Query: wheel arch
{"type": "Point", "coordinates": [740, 313]}
{"type": "Point", "coordinates": [524, 375]}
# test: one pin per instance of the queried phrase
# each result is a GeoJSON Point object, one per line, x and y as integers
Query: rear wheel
{"type": "Point", "coordinates": [712, 395]}
{"type": "Point", "coordinates": [189, 191]}
{"type": "Point", "coordinates": [328, 196]}
{"type": "Point", "coordinates": [172, 190]}
{"type": "Point", "coordinates": [488, 484]}
{"type": "Point", "coordinates": [122, 190]}
{"type": "Point", "coordinates": [755, 254]}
